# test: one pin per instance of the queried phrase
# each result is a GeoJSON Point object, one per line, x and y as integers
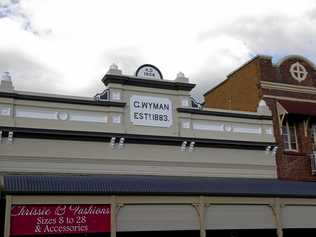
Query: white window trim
{"type": "Point", "coordinates": [313, 135]}
{"type": "Point", "coordinates": [289, 137]}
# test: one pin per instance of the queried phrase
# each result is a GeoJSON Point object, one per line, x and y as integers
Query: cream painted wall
{"type": "Point", "coordinates": [60, 156]}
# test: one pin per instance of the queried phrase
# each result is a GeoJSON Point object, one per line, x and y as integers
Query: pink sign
{"type": "Point", "coordinates": [60, 219]}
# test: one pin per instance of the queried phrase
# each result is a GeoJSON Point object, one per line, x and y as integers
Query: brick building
{"type": "Point", "coordinates": [289, 89]}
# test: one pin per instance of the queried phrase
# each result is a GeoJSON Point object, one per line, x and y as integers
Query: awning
{"type": "Point", "coordinates": [284, 107]}
{"type": "Point", "coordinates": [156, 185]}
{"type": "Point", "coordinates": [298, 107]}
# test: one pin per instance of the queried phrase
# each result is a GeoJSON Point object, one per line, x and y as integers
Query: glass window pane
{"type": "Point", "coordinates": [284, 130]}
{"type": "Point", "coordinates": [289, 136]}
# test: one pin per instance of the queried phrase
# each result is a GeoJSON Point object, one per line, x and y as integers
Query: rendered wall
{"type": "Point", "coordinates": [79, 157]}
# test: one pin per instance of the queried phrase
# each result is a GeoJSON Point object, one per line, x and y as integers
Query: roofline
{"type": "Point", "coordinates": [249, 61]}
{"type": "Point", "coordinates": [236, 70]}
{"type": "Point", "coordinates": [22, 132]}
{"type": "Point", "coordinates": [282, 60]}
{"type": "Point", "coordinates": [55, 99]}
{"type": "Point", "coordinates": [151, 83]}
{"type": "Point", "coordinates": [216, 86]}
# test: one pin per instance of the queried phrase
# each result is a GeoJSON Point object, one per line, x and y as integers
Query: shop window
{"type": "Point", "coordinates": [289, 136]}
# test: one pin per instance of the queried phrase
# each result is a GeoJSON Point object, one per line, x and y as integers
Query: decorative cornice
{"type": "Point", "coordinates": [287, 87]}
{"type": "Point", "coordinates": [21, 96]}
{"type": "Point", "coordinates": [295, 56]}
{"type": "Point", "coordinates": [21, 132]}
{"type": "Point", "coordinates": [159, 84]}
{"type": "Point", "coordinates": [288, 98]}
{"type": "Point", "coordinates": [223, 114]}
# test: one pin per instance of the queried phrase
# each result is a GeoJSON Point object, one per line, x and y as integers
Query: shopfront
{"type": "Point", "coordinates": [170, 206]}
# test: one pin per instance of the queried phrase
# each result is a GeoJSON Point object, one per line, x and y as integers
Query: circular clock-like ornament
{"type": "Point", "coordinates": [148, 71]}
{"type": "Point", "coordinates": [228, 128]}
{"type": "Point", "coordinates": [298, 72]}
{"type": "Point", "coordinates": [63, 116]}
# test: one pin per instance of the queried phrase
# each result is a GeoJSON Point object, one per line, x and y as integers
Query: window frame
{"type": "Point", "coordinates": [313, 135]}
{"type": "Point", "coordinates": [289, 135]}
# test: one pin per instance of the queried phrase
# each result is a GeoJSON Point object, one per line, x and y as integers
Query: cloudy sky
{"type": "Point", "coordinates": [66, 46]}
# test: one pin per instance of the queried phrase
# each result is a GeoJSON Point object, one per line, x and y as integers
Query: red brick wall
{"type": "Point", "coordinates": [242, 91]}
{"type": "Point", "coordinates": [291, 165]}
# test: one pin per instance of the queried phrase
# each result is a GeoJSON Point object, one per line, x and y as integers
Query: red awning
{"type": "Point", "coordinates": [296, 107]}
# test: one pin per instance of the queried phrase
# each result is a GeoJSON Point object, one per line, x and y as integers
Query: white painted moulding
{"type": "Point", "coordinates": [88, 117]}
{"type": "Point", "coordinates": [219, 127]}
{"type": "Point", "coordinates": [208, 126]}
{"type": "Point", "coordinates": [80, 116]}
{"type": "Point", "coordinates": [5, 110]}
{"type": "Point", "coordinates": [185, 124]}
{"type": "Point", "coordinates": [116, 119]}
{"type": "Point", "coordinates": [185, 102]}
{"type": "Point", "coordinates": [35, 113]}
{"type": "Point", "coordinates": [115, 95]}
{"type": "Point", "coordinates": [247, 129]}
{"type": "Point", "coordinates": [269, 131]}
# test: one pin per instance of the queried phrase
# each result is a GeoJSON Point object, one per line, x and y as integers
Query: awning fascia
{"type": "Point", "coordinates": [282, 112]}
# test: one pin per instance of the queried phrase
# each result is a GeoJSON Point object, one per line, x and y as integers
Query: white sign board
{"type": "Point", "coordinates": [151, 111]}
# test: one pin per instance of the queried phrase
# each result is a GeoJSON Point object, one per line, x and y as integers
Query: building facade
{"type": "Point", "coordinates": [288, 88]}
{"type": "Point", "coordinates": [139, 159]}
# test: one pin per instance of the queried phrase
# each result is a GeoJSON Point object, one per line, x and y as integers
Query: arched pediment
{"type": "Point", "coordinates": [298, 57]}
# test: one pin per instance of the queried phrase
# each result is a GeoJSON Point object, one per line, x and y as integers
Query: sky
{"type": "Point", "coordinates": [66, 46]}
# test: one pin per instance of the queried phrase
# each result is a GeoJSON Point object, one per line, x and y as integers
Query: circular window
{"type": "Point", "coordinates": [298, 71]}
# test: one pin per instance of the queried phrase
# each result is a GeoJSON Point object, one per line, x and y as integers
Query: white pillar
{"type": "Point", "coordinates": [7, 218]}
{"type": "Point", "coordinates": [115, 208]}
{"type": "Point", "coordinates": [200, 210]}
{"type": "Point", "coordinates": [113, 217]}
{"type": "Point", "coordinates": [276, 211]}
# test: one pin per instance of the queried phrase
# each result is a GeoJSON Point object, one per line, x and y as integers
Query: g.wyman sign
{"type": "Point", "coordinates": [151, 111]}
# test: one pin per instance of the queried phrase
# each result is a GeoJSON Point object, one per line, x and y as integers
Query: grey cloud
{"type": "Point", "coordinates": [270, 34]}
{"type": "Point", "coordinates": [312, 14]}
{"type": "Point", "coordinates": [205, 80]}
{"type": "Point", "coordinates": [215, 68]}
{"type": "Point", "coordinates": [28, 74]}
{"type": "Point", "coordinates": [128, 59]}
{"type": "Point", "coordinates": [12, 9]}
{"type": "Point", "coordinates": [95, 86]}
